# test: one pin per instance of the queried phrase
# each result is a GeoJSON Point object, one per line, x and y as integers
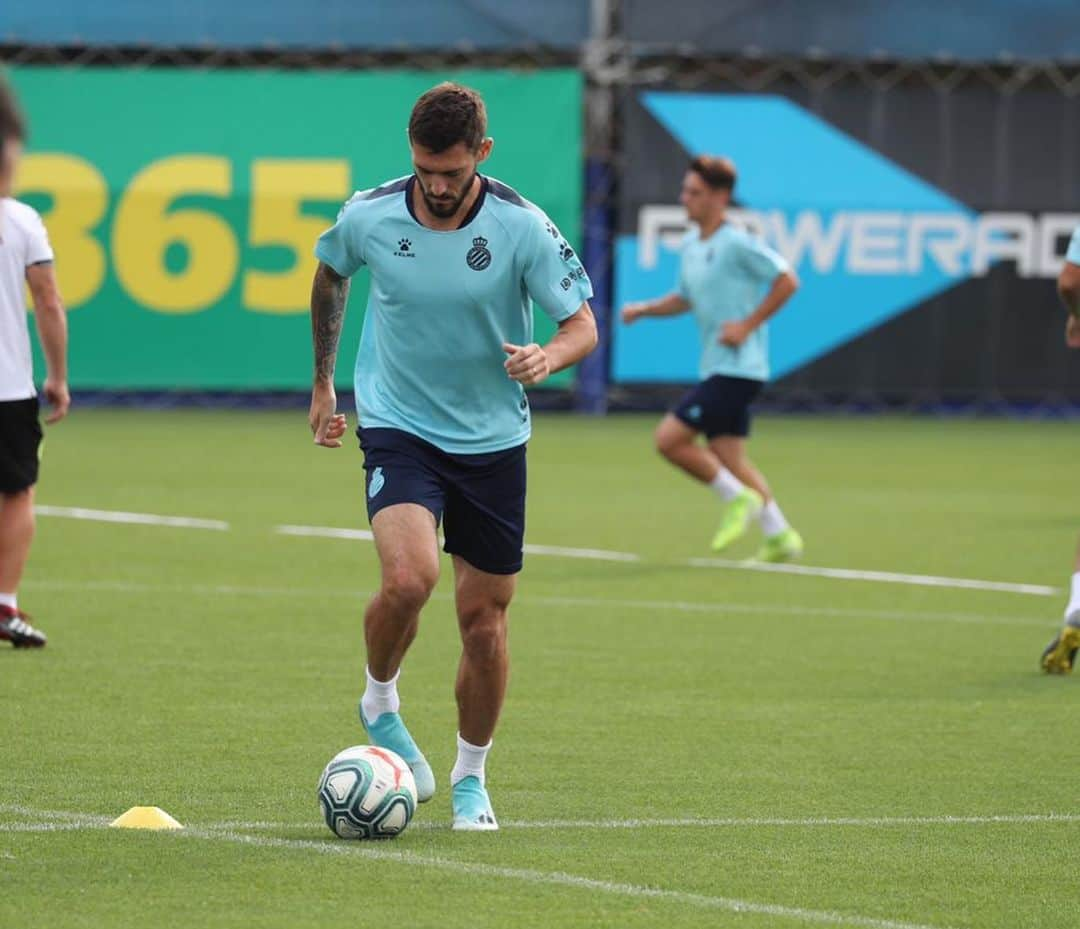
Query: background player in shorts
{"type": "Point", "coordinates": [25, 258]}
{"type": "Point", "coordinates": [445, 356]}
{"type": "Point", "coordinates": [1060, 655]}
{"type": "Point", "coordinates": [733, 283]}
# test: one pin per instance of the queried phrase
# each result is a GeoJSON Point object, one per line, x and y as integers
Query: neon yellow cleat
{"type": "Point", "coordinates": [736, 518]}
{"type": "Point", "coordinates": [1059, 656]}
{"type": "Point", "coordinates": [784, 546]}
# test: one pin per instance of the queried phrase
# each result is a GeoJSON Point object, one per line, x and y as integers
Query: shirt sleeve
{"type": "Point", "coordinates": [38, 249]}
{"type": "Point", "coordinates": [760, 261]}
{"type": "Point", "coordinates": [554, 275]}
{"type": "Point", "coordinates": [1073, 254]}
{"type": "Point", "coordinates": [681, 286]}
{"type": "Point", "coordinates": [342, 246]}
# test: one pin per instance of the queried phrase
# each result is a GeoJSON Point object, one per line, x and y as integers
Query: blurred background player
{"type": "Point", "coordinates": [25, 258]}
{"type": "Point", "coordinates": [1060, 655]}
{"type": "Point", "coordinates": [445, 356]}
{"type": "Point", "coordinates": [734, 283]}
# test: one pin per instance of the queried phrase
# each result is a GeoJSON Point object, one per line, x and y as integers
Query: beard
{"type": "Point", "coordinates": [445, 207]}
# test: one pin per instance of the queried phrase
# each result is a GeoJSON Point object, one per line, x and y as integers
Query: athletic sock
{"type": "Point", "coordinates": [772, 520]}
{"type": "Point", "coordinates": [1072, 611]}
{"type": "Point", "coordinates": [726, 485]}
{"type": "Point", "coordinates": [380, 697]}
{"type": "Point", "coordinates": [10, 601]}
{"type": "Point", "coordinates": [470, 761]}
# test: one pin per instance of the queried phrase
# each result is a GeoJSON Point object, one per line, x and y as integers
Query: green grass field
{"type": "Point", "coordinates": [836, 749]}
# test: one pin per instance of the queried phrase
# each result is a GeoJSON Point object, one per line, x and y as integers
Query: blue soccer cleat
{"type": "Point", "coordinates": [472, 807]}
{"type": "Point", "coordinates": [388, 731]}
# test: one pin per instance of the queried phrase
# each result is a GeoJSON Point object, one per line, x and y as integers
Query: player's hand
{"type": "Point", "coordinates": [632, 312]}
{"type": "Point", "coordinates": [735, 333]}
{"type": "Point", "coordinates": [327, 425]}
{"type": "Point", "coordinates": [57, 396]}
{"type": "Point", "coordinates": [527, 364]}
{"type": "Point", "coordinates": [1072, 331]}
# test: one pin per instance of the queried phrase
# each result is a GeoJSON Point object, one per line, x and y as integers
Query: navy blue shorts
{"type": "Point", "coordinates": [480, 499]}
{"type": "Point", "coordinates": [719, 406]}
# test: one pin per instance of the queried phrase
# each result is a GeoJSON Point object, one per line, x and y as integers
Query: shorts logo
{"type": "Point", "coordinates": [378, 481]}
{"type": "Point", "coordinates": [479, 257]}
{"type": "Point", "coordinates": [405, 249]}
{"type": "Point", "coordinates": [694, 412]}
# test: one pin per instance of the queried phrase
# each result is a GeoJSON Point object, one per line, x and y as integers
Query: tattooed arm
{"type": "Point", "coordinates": [329, 294]}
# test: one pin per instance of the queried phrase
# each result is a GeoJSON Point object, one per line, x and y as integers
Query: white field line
{"type": "Point", "coordinates": [326, 532]}
{"type": "Point", "coordinates": [558, 879]}
{"type": "Point", "coordinates": [656, 606]}
{"type": "Point", "coordinates": [46, 827]}
{"type": "Point", "coordinates": [845, 574]}
{"type": "Point", "coordinates": [883, 577]}
{"type": "Point", "coordinates": [533, 876]}
{"type": "Point", "coordinates": [363, 535]}
{"type": "Point", "coordinates": [592, 554]}
{"type": "Point", "coordinates": [63, 819]}
{"type": "Point", "coordinates": [138, 519]}
{"type": "Point", "coordinates": [872, 822]}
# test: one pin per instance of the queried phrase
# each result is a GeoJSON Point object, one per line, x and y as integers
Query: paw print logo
{"type": "Point", "coordinates": [404, 245]}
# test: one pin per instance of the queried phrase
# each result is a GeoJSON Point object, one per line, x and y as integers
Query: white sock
{"type": "Point", "coordinates": [1072, 611]}
{"type": "Point", "coordinates": [772, 520]}
{"type": "Point", "coordinates": [10, 601]}
{"type": "Point", "coordinates": [380, 697]}
{"type": "Point", "coordinates": [726, 484]}
{"type": "Point", "coordinates": [470, 761]}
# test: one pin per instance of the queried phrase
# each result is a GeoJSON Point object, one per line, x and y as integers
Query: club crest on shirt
{"type": "Point", "coordinates": [479, 257]}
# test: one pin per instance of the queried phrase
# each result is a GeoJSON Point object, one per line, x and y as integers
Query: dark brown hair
{"type": "Point", "coordinates": [447, 114]}
{"type": "Point", "coordinates": [718, 173]}
{"type": "Point", "coordinates": [12, 124]}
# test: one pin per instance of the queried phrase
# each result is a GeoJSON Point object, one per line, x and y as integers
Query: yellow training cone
{"type": "Point", "coordinates": [145, 817]}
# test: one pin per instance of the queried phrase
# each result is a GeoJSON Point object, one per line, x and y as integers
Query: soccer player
{"type": "Point", "coordinates": [25, 258]}
{"type": "Point", "coordinates": [1060, 655]}
{"type": "Point", "coordinates": [445, 356]}
{"type": "Point", "coordinates": [733, 283]}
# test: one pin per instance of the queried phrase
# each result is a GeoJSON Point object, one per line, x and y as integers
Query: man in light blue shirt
{"type": "Point", "coordinates": [733, 282]}
{"type": "Point", "coordinates": [1060, 655]}
{"type": "Point", "coordinates": [446, 353]}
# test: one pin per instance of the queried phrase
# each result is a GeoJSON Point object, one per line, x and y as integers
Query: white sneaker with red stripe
{"type": "Point", "coordinates": [15, 629]}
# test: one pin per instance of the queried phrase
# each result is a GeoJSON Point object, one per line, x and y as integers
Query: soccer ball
{"type": "Point", "coordinates": [367, 793]}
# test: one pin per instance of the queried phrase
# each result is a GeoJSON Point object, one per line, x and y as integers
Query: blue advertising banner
{"type": "Point", "coordinates": [869, 238]}
{"type": "Point", "coordinates": [262, 24]}
{"type": "Point", "coordinates": [963, 30]}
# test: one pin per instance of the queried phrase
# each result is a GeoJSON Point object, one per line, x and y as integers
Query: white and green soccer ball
{"type": "Point", "coordinates": [367, 793]}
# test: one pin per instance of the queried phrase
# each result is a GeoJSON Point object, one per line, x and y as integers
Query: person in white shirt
{"type": "Point", "coordinates": [25, 258]}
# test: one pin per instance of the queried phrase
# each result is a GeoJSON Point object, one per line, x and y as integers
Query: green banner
{"type": "Point", "coordinates": [183, 205]}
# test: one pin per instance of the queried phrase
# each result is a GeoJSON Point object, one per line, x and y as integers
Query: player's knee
{"type": "Point", "coordinates": [407, 588]}
{"type": "Point", "coordinates": [483, 632]}
{"type": "Point", "coordinates": [666, 443]}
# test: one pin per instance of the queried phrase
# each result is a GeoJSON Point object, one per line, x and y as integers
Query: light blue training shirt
{"type": "Point", "coordinates": [1073, 254]}
{"type": "Point", "coordinates": [442, 304]}
{"type": "Point", "coordinates": [724, 278]}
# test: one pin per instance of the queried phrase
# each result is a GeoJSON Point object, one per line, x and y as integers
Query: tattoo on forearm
{"type": "Point", "coordinates": [329, 294]}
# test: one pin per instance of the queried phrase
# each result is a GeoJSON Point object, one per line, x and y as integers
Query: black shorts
{"type": "Point", "coordinates": [20, 444]}
{"type": "Point", "coordinates": [479, 498]}
{"type": "Point", "coordinates": [720, 406]}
